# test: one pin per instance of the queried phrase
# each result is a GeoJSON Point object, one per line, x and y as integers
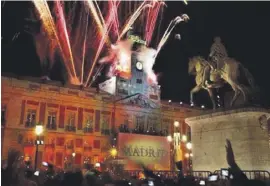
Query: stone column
{"type": "Point", "coordinates": [249, 139]}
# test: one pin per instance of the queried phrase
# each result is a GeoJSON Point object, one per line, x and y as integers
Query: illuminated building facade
{"type": "Point", "coordinates": [80, 121]}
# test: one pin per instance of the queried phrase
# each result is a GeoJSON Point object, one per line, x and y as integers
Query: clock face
{"type": "Point", "coordinates": [139, 65]}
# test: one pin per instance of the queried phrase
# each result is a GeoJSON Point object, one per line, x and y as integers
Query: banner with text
{"type": "Point", "coordinates": [152, 151]}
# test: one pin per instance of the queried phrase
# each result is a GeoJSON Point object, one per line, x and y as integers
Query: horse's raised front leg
{"type": "Point", "coordinates": [193, 91]}
{"type": "Point", "coordinates": [210, 92]}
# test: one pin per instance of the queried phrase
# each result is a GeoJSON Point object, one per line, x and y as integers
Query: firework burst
{"type": "Point", "coordinates": [82, 32]}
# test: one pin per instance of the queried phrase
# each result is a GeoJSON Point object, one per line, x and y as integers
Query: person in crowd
{"type": "Point", "coordinates": [28, 181]}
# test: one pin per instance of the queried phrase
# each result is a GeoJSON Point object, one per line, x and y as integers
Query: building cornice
{"type": "Point", "coordinates": [229, 112]}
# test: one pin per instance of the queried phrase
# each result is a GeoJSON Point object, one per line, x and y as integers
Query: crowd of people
{"type": "Point", "coordinates": [15, 172]}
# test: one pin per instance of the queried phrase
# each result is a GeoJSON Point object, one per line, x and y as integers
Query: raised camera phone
{"type": "Point", "coordinates": [150, 183]}
{"type": "Point", "coordinates": [45, 164]}
{"type": "Point", "coordinates": [213, 177]}
{"type": "Point", "coordinates": [36, 173]}
{"type": "Point", "coordinates": [224, 172]}
{"type": "Point", "coordinates": [202, 182]}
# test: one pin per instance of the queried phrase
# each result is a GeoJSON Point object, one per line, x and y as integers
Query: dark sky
{"type": "Point", "coordinates": [244, 28]}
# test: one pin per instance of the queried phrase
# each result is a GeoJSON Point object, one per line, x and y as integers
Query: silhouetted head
{"type": "Point", "coordinates": [217, 39]}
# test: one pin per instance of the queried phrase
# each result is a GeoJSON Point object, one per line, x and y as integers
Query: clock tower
{"type": "Point", "coordinates": [137, 83]}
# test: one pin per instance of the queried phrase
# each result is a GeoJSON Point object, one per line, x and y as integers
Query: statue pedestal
{"type": "Point", "coordinates": [249, 140]}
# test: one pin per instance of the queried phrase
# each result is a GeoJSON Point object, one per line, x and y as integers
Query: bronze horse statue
{"type": "Point", "coordinates": [229, 73]}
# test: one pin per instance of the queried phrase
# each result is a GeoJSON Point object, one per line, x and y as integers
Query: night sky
{"type": "Point", "coordinates": [244, 28]}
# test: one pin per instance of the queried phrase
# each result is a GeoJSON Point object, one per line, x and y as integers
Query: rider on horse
{"type": "Point", "coordinates": [217, 54]}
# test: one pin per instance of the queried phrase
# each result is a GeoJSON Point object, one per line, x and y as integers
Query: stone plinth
{"type": "Point", "coordinates": [250, 141]}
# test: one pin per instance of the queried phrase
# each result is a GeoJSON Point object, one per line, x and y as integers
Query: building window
{"type": "Point", "coordinates": [96, 144]}
{"type": "Point", "coordinates": [151, 124]}
{"type": "Point", "coordinates": [60, 141]}
{"type": "Point", "coordinates": [79, 143]}
{"type": "Point", "coordinates": [105, 124]}
{"type": "Point", "coordinates": [140, 124]}
{"type": "Point", "coordinates": [123, 91]}
{"type": "Point", "coordinates": [89, 121]}
{"type": "Point", "coordinates": [70, 144]}
{"type": "Point", "coordinates": [139, 81]}
{"type": "Point", "coordinates": [3, 116]}
{"type": "Point", "coordinates": [71, 119]}
{"type": "Point", "coordinates": [31, 118]}
{"type": "Point", "coordinates": [71, 122]}
{"type": "Point", "coordinates": [51, 123]}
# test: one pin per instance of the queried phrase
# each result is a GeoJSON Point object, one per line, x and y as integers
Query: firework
{"type": "Point", "coordinates": [82, 32]}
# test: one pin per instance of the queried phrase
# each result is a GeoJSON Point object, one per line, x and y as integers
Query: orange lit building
{"type": "Point", "coordinates": [78, 120]}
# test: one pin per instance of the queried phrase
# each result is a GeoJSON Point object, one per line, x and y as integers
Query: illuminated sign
{"type": "Point", "coordinates": [152, 151]}
{"type": "Point", "coordinates": [137, 39]}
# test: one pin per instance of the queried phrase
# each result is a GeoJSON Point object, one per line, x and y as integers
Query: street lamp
{"type": "Point", "coordinates": [113, 152]}
{"type": "Point", "coordinates": [176, 123]}
{"type": "Point", "coordinates": [97, 165]}
{"type": "Point", "coordinates": [189, 146]}
{"type": "Point", "coordinates": [73, 154]}
{"type": "Point", "coordinates": [169, 138]}
{"type": "Point", "coordinates": [38, 131]}
{"type": "Point", "coordinates": [73, 158]}
{"type": "Point", "coordinates": [184, 138]}
{"type": "Point", "coordinates": [189, 155]}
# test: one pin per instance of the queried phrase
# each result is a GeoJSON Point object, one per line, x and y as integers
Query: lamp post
{"type": "Point", "coordinates": [38, 131]}
{"type": "Point", "coordinates": [73, 158]}
{"type": "Point", "coordinates": [177, 143]}
{"type": "Point", "coordinates": [189, 155]}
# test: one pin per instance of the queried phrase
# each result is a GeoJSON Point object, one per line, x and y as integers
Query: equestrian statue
{"type": "Point", "coordinates": [218, 70]}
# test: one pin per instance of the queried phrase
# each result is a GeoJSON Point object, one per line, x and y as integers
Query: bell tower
{"type": "Point", "coordinates": [137, 83]}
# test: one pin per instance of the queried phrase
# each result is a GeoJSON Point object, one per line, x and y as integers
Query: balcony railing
{"type": "Point", "coordinates": [69, 146]}
{"type": "Point", "coordinates": [30, 124]}
{"type": "Point", "coordinates": [70, 128]}
{"type": "Point", "coordinates": [105, 131]}
{"type": "Point", "coordinates": [51, 127]}
{"type": "Point", "coordinates": [88, 130]}
{"type": "Point", "coordinates": [138, 130]}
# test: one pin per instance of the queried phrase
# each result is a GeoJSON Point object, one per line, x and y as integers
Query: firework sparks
{"type": "Point", "coordinates": [82, 42]}
{"type": "Point", "coordinates": [65, 38]}
{"type": "Point", "coordinates": [50, 28]}
{"type": "Point", "coordinates": [133, 18]}
{"type": "Point", "coordinates": [170, 28]}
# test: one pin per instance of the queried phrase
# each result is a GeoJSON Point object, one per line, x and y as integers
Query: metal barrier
{"type": "Point", "coordinates": [172, 174]}
{"type": "Point", "coordinates": [253, 174]}
{"type": "Point", "coordinates": [200, 174]}
{"type": "Point", "coordinates": [164, 174]}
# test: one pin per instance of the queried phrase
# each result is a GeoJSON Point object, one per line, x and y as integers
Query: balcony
{"type": "Point", "coordinates": [105, 131]}
{"type": "Point", "coordinates": [70, 128]}
{"type": "Point", "coordinates": [88, 130]}
{"type": "Point", "coordinates": [30, 124]}
{"type": "Point", "coordinates": [140, 130]}
{"type": "Point", "coordinates": [70, 146]}
{"type": "Point", "coordinates": [51, 127]}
